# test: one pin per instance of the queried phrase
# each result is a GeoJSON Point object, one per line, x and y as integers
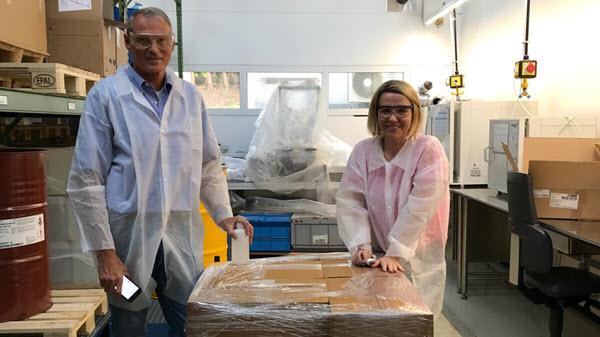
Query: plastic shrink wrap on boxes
{"type": "Point", "coordinates": [316, 295]}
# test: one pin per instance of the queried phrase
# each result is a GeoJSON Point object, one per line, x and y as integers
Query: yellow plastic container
{"type": "Point", "coordinates": [215, 240]}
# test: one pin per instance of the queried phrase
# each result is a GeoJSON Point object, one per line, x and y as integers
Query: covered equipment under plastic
{"type": "Point", "coordinates": [290, 150]}
{"type": "Point", "coordinates": [306, 295]}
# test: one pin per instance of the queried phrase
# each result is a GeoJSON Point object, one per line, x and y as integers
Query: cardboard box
{"type": "Point", "coordinates": [293, 271]}
{"type": "Point", "coordinates": [548, 148]}
{"type": "Point", "coordinates": [337, 270]}
{"type": "Point", "coordinates": [337, 284]}
{"type": "Point", "coordinates": [121, 49]}
{"type": "Point", "coordinates": [566, 176]}
{"type": "Point", "coordinates": [23, 24]}
{"type": "Point", "coordinates": [237, 300]}
{"type": "Point", "coordinates": [87, 44]}
{"type": "Point", "coordinates": [101, 9]}
{"type": "Point", "coordinates": [566, 189]}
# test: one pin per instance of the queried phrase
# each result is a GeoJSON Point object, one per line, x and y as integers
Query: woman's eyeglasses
{"type": "Point", "coordinates": [400, 111]}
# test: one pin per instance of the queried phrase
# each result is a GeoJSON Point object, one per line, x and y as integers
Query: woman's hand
{"type": "Point", "coordinates": [361, 256]}
{"type": "Point", "coordinates": [390, 264]}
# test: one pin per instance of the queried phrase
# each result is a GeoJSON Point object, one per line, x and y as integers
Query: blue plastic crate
{"type": "Point", "coordinates": [272, 231]}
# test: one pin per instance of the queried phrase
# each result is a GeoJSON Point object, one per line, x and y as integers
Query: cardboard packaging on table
{"type": "Point", "coordinates": [566, 176]}
{"type": "Point", "coordinates": [305, 295]}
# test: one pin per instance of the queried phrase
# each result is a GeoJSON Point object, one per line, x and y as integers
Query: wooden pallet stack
{"type": "Point", "coordinates": [54, 78]}
{"type": "Point", "coordinates": [72, 313]}
{"type": "Point", "coordinates": [25, 45]}
{"type": "Point", "coordinates": [15, 54]}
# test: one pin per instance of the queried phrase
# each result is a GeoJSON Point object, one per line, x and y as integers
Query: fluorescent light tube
{"type": "Point", "coordinates": [449, 6]}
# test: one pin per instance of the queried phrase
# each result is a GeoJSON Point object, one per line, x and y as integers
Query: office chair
{"type": "Point", "coordinates": [557, 287]}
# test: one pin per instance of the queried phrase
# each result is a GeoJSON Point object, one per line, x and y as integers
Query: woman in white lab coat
{"type": "Point", "coordinates": [394, 194]}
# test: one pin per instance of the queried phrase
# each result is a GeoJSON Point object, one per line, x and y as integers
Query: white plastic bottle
{"type": "Point", "coordinates": [240, 247]}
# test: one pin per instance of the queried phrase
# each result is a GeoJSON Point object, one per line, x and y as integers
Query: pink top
{"type": "Point", "coordinates": [401, 206]}
{"type": "Point", "coordinates": [403, 203]}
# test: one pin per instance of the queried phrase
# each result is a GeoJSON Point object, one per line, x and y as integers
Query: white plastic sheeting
{"type": "Point", "coordinates": [290, 150]}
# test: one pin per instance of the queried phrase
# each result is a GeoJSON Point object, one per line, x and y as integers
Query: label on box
{"type": "Point", "coordinates": [541, 193]}
{"type": "Point", "coordinates": [71, 106]}
{"type": "Point", "coordinates": [3, 100]}
{"type": "Point", "coordinates": [564, 200]}
{"type": "Point", "coordinates": [21, 231]}
{"type": "Point", "coordinates": [322, 239]}
{"type": "Point", "coordinates": [74, 5]}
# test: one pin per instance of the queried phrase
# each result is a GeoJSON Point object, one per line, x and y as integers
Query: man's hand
{"type": "Point", "coordinates": [110, 271]}
{"type": "Point", "coordinates": [389, 264]}
{"type": "Point", "coordinates": [228, 224]}
{"type": "Point", "coordinates": [361, 255]}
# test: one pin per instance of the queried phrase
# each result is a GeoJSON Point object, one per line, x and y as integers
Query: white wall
{"type": "Point", "coordinates": [563, 39]}
{"type": "Point", "coordinates": [308, 36]}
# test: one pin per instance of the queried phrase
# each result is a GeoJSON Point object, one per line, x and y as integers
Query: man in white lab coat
{"type": "Point", "coordinates": [146, 155]}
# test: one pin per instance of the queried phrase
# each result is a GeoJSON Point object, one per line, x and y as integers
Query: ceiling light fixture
{"type": "Point", "coordinates": [446, 8]}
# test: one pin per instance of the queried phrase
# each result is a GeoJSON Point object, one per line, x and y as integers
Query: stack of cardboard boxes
{"type": "Point", "coordinates": [85, 39]}
{"type": "Point", "coordinates": [307, 295]}
{"type": "Point", "coordinates": [23, 25]}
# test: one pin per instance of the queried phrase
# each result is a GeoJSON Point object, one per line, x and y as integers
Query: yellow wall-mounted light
{"type": "Point", "coordinates": [447, 8]}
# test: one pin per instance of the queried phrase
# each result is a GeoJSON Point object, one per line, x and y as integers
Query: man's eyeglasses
{"type": "Point", "coordinates": [400, 111]}
{"type": "Point", "coordinates": [144, 41]}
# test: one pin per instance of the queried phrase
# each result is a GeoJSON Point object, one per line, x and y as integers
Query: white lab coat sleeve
{"type": "Point", "coordinates": [352, 213]}
{"type": "Point", "coordinates": [213, 191]}
{"type": "Point", "coordinates": [430, 184]}
{"type": "Point", "coordinates": [87, 178]}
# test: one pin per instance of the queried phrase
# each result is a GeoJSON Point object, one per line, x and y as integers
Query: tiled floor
{"type": "Point", "coordinates": [493, 309]}
{"type": "Point", "coordinates": [443, 328]}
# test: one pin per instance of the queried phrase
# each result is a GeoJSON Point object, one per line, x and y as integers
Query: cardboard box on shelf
{"type": "Point", "coordinates": [23, 25]}
{"type": "Point", "coordinates": [88, 44]}
{"type": "Point", "coordinates": [121, 48]}
{"type": "Point", "coordinates": [100, 9]}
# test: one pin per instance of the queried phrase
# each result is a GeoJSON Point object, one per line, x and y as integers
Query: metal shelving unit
{"type": "Point", "coordinates": [20, 102]}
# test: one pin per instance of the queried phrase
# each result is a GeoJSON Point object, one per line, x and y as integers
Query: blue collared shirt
{"type": "Point", "coordinates": [157, 99]}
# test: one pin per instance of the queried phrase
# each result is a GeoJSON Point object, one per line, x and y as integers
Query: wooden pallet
{"type": "Point", "coordinates": [14, 54]}
{"type": "Point", "coordinates": [53, 78]}
{"type": "Point", "coordinates": [72, 313]}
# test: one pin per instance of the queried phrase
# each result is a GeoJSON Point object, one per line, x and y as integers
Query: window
{"type": "Point", "coordinates": [221, 90]}
{"type": "Point", "coordinates": [354, 90]}
{"type": "Point", "coordinates": [261, 85]}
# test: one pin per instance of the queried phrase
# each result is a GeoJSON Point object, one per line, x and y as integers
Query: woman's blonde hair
{"type": "Point", "coordinates": [398, 87]}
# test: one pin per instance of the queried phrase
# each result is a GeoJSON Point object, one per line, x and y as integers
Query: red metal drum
{"type": "Point", "coordinates": [24, 277]}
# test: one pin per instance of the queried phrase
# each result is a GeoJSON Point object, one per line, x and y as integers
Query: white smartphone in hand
{"type": "Point", "coordinates": [129, 290]}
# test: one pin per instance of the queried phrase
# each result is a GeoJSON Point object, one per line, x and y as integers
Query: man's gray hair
{"type": "Point", "coordinates": [148, 12]}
